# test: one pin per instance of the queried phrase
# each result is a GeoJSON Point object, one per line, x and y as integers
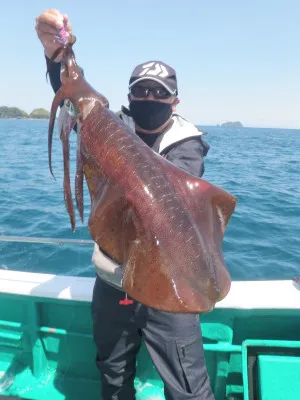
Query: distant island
{"type": "Point", "coordinates": [17, 113]}
{"type": "Point", "coordinates": [236, 124]}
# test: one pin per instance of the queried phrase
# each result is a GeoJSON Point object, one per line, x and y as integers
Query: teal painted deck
{"type": "Point", "coordinates": [46, 347]}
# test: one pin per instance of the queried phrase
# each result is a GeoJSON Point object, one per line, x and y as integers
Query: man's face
{"type": "Point", "coordinates": [150, 96]}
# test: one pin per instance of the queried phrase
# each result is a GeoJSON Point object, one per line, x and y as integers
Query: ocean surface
{"type": "Point", "coordinates": [261, 167]}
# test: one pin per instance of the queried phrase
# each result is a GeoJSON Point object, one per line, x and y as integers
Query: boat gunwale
{"type": "Point", "coordinates": [273, 294]}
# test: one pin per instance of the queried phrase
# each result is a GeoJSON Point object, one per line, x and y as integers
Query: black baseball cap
{"type": "Point", "coordinates": [156, 71]}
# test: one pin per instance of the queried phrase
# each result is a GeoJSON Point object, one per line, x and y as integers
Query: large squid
{"type": "Point", "coordinates": [162, 225]}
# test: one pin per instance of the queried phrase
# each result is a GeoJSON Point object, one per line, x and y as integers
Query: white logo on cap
{"type": "Point", "coordinates": [154, 70]}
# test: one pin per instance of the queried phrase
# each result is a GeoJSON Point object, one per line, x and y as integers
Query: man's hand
{"type": "Point", "coordinates": [47, 27]}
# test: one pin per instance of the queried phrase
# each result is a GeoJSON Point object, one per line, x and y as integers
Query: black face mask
{"type": "Point", "coordinates": [150, 115]}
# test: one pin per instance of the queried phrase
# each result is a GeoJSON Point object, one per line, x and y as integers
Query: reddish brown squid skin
{"type": "Point", "coordinates": [163, 225]}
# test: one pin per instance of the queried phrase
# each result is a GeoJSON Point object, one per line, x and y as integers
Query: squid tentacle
{"type": "Point", "coordinates": [66, 125]}
{"type": "Point", "coordinates": [59, 97]}
{"type": "Point", "coordinates": [67, 181]}
{"type": "Point", "coordinates": [79, 179]}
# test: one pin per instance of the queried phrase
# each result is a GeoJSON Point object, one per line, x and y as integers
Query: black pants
{"type": "Point", "coordinates": [174, 342]}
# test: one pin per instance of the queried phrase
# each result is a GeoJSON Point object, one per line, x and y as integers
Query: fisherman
{"type": "Point", "coordinates": [173, 340]}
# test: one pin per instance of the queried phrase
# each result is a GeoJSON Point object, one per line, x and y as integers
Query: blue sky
{"type": "Point", "coordinates": [235, 60]}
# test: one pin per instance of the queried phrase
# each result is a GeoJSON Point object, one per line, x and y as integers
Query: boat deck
{"type": "Point", "coordinates": [251, 341]}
